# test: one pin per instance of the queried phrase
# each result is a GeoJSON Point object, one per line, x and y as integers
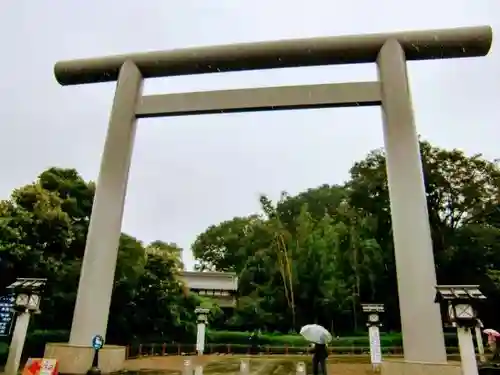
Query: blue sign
{"type": "Point", "coordinates": [6, 314]}
{"type": "Point", "coordinates": [97, 342]}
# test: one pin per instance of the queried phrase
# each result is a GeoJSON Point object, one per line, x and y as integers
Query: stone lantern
{"type": "Point", "coordinates": [460, 303]}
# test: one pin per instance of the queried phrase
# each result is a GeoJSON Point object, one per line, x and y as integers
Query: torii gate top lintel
{"type": "Point", "coordinates": [348, 49]}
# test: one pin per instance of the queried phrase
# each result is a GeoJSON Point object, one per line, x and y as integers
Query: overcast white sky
{"type": "Point", "coordinates": [191, 172]}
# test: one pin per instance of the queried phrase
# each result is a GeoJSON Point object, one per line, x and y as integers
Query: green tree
{"type": "Point", "coordinates": [306, 258]}
{"type": "Point", "coordinates": [320, 201]}
{"type": "Point", "coordinates": [43, 228]}
{"type": "Point", "coordinates": [224, 247]}
{"type": "Point", "coordinates": [461, 192]}
{"type": "Point", "coordinates": [171, 250]}
{"type": "Point", "coordinates": [158, 309]}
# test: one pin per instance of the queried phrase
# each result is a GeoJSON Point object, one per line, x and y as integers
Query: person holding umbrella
{"type": "Point", "coordinates": [319, 337]}
{"type": "Point", "coordinates": [493, 338]}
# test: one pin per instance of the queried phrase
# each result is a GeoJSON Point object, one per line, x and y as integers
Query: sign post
{"type": "Point", "coordinates": [373, 322]}
{"type": "Point", "coordinates": [202, 318]}
{"type": "Point", "coordinates": [97, 344]}
{"type": "Point", "coordinates": [375, 352]}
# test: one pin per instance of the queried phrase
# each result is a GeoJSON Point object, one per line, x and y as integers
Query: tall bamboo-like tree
{"type": "Point", "coordinates": [281, 242]}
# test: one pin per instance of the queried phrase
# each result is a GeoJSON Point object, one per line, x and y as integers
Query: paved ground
{"type": "Point", "coordinates": [229, 365]}
{"type": "Point", "coordinates": [169, 363]}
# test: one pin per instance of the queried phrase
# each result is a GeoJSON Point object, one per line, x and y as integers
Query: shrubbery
{"type": "Point", "coordinates": [222, 341]}
{"type": "Point", "coordinates": [270, 339]}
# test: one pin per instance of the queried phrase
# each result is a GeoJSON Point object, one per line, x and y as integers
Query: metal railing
{"type": "Point", "coordinates": [151, 350]}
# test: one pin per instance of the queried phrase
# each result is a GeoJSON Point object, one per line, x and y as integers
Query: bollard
{"type": "Point", "coordinates": [187, 369]}
{"type": "Point", "coordinates": [300, 369]}
{"type": "Point", "coordinates": [245, 366]}
{"type": "Point", "coordinates": [198, 370]}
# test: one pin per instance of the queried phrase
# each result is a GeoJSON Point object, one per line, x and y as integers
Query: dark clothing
{"type": "Point", "coordinates": [317, 364]}
{"type": "Point", "coordinates": [320, 353]}
{"type": "Point", "coordinates": [495, 349]}
{"type": "Point", "coordinates": [254, 343]}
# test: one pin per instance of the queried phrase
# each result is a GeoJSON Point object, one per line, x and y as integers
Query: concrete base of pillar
{"type": "Point", "coordinates": [78, 359]}
{"type": "Point", "coordinates": [402, 367]}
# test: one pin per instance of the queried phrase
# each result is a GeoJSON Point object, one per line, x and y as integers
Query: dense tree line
{"type": "Point", "coordinates": [43, 228]}
{"type": "Point", "coordinates": [310, 257]}
{"type": "Point", "coordinates": [317, 255]}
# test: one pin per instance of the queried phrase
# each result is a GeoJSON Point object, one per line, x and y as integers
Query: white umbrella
{"type": "Point", "coordinates": [316, 333]}
{"type": "Point", "coordinates": [491, 332]}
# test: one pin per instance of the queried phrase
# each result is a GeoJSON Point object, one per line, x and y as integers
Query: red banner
{"type": "Point", "coordinates": [41, 366]}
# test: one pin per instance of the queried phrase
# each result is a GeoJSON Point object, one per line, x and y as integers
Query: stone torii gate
{"type": "Point", "coordinates": [421, 322]}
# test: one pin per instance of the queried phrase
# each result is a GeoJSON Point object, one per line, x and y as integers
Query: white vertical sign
{"type": "Point", "coordinates": [375, 352]}
{"type": "Point", "coordinates": [200, 338]}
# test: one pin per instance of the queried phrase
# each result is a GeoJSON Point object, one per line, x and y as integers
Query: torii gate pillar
{"type": "Point", "coordinates": [421, 321]}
